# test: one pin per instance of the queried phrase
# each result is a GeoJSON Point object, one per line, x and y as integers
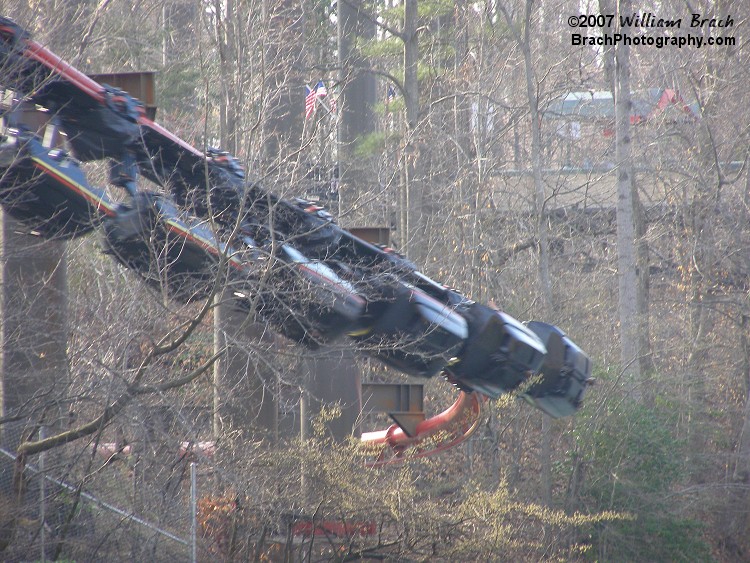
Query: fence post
{"type": "Point", "coordinates": [193, 513]}
{"type": "Point", "coordinates": [42, 495]}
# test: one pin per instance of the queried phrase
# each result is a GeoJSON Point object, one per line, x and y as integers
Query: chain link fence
{"type": "Point", "coordinates": [101, 503]}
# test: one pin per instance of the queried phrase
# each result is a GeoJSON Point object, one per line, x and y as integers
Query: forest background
{"type": "Point", "coordinates": [493, 150]}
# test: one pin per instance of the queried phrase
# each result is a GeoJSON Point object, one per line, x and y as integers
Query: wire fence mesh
{"type": "Point", "coordinates": [93, 520]}
{"type": "Point", "coordinates": [180, 501]}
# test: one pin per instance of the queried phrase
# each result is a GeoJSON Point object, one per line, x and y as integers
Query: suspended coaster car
{"type": "Point", "coordinates": [46, 189]}
{"type": "Point", "coordinates": [167, 250]}
{"type": "Point", "coordinates": [411, 331]}
{"type": "Point", "coordinates": [564, 375]}
{"type": "Point", "coordinates": [285, 260]}
{"type": "Point", "coordinates": [499, 354]}
{"type": "Point", "coordinates": [304, 299]}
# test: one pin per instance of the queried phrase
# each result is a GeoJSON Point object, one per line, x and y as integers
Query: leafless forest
{"type": "Point", "coordinates": [604, 189]}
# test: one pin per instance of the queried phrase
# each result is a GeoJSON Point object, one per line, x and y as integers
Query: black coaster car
{"type": "Point", "coordinates": [304, 300]}
{"type": "Point", "coordinates": [565, 373]}
{"type": "Point", "coordinates": [412, 332]}
{"type": "Point", "coordinates": [499, 355]}
{"type": "Point", "coordinates": [169, 252]}
{"type": "Point", "coordinates": [46, 189]}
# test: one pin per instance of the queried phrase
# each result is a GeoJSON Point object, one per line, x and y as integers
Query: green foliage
{"type": "Point", "coordinates": [636, 451]}
{"type": "Point", "coordinates": [427, 10]}
{"type": "Point", "coordinates": [661, 538]}
{"type": "Point", "coordinates": [423, 509]}
{"type": "Point", "coordinates": [504, 528]}
{"type": "Point", "coordinates": [174, 86]}
{"type": "Point", "coordinates": [435, 8]}
{"type": "Point", "coordinates": [389, 47]}
{"type": "Point", "coordinates": [371, 145]}
{"type": "Point", "coordinates": [633, 460]}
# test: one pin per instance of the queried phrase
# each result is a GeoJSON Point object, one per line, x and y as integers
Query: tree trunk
{"type": "Point", "coordinates": [643, 332]}
{"type": "Point", "coordinates": [415, 237]}
{"type": "Point", "coordinates": [228, 101]}
{"type": "Point", "coordinates": [244, 388]}
{"type": "Point", "coordinates": [469, 161]}
{"type": "Point", "coordinates": [627, 264]}
{"type": "Point", "coordinates": [33, 350]}
{"type": "Point", "coordinates": [545, 282]}
{"type": "Point", "coordinates": [282, 111]}
{"type": "Point", "coordinates": [356, 102]}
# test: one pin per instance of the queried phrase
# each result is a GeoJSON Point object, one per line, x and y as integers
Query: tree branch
{"type": "Point", "coordinates": [39, 446]}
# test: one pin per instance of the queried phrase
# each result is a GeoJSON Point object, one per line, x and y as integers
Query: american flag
{"type": "Point", "coordinates": [333, 100]}
{"type": "Point", "coordinates": [310, 96]}
{"type": "Point", "coordinates": [390, 94]}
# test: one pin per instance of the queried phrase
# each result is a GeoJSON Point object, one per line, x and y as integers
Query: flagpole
{"type": "Point", "coordinates": [329, 110]}
{"type": "Point", "coordinates": [313, 95]}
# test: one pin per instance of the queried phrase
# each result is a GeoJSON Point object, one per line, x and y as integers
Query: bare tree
{"type": "Point", "coordinates": [627, 269]}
